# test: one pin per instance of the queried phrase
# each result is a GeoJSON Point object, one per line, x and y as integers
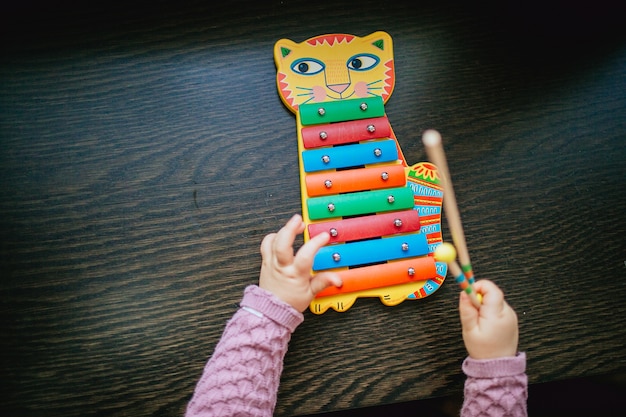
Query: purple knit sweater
{"type": "Point", "coordinates": [495, 387]}
{"type": "Point", "coordinates": [242, 376]}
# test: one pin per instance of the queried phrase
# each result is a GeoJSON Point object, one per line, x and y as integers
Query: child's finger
{"type": "Point", "coordinates": [324, 280]}
{"type": "Point", "coordinates": [266, 245]}
{"type": "Point", "coordinates": [493, 298]}
{"type": "Point", "coordinates": [283, 243]}
{"type": "Point", "coordinates": [467, 312]}
{"type": "Point", "coordinates": [304, 258]}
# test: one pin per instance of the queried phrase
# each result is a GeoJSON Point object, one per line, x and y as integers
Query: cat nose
{"type": "Point", "coordinates": [339, 88]}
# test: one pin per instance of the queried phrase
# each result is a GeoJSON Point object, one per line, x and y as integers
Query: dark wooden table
{"type": "Point", "coordinates": [145, 153]}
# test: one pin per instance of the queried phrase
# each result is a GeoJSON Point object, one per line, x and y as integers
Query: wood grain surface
{"type": "Point", "coordinates": [145, 153]}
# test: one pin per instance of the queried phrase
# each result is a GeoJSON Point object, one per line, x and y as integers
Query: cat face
{"type": "Point", "coordinates": [334, 67]}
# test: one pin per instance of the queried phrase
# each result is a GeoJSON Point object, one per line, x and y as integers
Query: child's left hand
{"type": "Point", "coordinates": [288, 276]}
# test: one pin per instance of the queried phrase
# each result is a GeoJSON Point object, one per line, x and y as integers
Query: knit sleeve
{"type": "Point", "coordinates": [242, 376]}
{"type": "Point", "coordinates": [495, 387]}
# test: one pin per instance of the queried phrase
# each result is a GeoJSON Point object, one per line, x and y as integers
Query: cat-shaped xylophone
{"type": "Point", "coordinates": [383, 216]}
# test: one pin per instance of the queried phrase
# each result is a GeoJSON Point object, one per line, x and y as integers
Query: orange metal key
{"type": "Point", "coordinates": [359, 179]}
{"type": "Point", "coordinates": [383, 275]}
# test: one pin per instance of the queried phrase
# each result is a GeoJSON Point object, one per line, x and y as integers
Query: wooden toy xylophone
{"type": "Point", "coordinates": [383, 216]}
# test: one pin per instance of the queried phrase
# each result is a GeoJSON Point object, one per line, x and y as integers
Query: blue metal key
{"type": "Point", "coordinates": [370, 251]}
{"type": "Point", "coordinates": [350, 155]}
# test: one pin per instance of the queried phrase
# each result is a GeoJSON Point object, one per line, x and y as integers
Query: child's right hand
{"type": "Point", "coordinates": [491, 331]}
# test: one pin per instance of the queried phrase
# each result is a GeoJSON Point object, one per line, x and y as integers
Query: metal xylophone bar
{"type": "Point", "coordinates": [367, 227]}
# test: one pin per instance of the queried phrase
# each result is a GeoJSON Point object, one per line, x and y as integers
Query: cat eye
{"type": "Point", "coordinates": [307, 66]}
{"type": "Point", "coordinates": [363, 62]}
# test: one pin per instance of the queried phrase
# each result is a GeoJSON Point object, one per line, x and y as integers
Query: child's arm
{"type": "Point", "coordinates": [496, 382]}
{"type": "Point", "coordinates": [242, 376]}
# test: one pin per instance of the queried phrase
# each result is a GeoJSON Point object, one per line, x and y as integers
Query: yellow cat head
{"type": "Point", "coordinates": [334, 67]}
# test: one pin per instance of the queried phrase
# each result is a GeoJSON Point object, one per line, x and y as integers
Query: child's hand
{"type": "Point", "coordinates": [491, 331]}
{"type": "Point", "coordinates": [288, 276]}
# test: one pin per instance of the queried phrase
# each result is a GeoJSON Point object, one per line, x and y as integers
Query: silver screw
{"type": "Point", "coordinates": [384, 176]}
{"type": "Point", "coordinates": [405, 246]}
{"type": "Point", "coordinates": [371, 128]}
{"type": "Point", "coordinates": [378, 152]}
{"type": "Point", "coordinates": [333, 232]}
{"type": "Point", "coordinates": [363, 106]}
{"type": "Point", "coordinates": [321, 111]}
{"type": "Point", "coordinates": [336, 257]}
{"type": "Point", "coordinates": [391, 199]}
{"type": "Point", "coordinates": [323, 135]}
{"type": "Point", "coordinates": [331, 207]}
{"type": "Point", "coordinates": [397, 222]}
{"type": "Point", "coordinates": [328, 183]}
{"type": "Point", "coordinates": [325, 159]}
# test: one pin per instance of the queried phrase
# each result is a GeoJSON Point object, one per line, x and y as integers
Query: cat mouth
{"type": "Point", "coordinates": [343, 95]}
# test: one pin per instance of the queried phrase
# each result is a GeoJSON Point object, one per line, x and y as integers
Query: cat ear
{"type": "Point", "coordinates": [381, 40]}
{"type": "Point", "coordinates": [282, 49]}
